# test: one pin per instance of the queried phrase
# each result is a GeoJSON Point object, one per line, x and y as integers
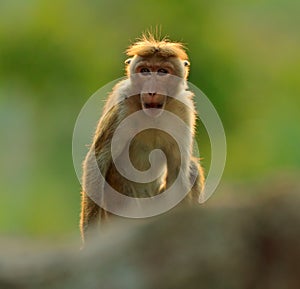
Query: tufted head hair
{"type": "Point", "coordinates": [147, 46]}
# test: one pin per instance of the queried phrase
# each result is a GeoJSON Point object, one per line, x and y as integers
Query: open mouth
{"type": "Point", "coordinates": [153, 105]}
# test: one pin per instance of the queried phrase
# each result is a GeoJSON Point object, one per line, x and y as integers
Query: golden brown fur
{"type": "Point", "coordinates": [148, 46]}
{"type": "Point", "coordinates": [152, 55]}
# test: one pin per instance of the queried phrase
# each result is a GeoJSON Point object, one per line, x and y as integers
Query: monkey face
{"type": "Point", "coordinates": [153, 91]}
{"type": "Point", "coordinates": [155, 80]}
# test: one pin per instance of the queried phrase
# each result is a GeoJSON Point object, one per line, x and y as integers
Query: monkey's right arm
{"type": "Point", "coordinates": [98, 160]}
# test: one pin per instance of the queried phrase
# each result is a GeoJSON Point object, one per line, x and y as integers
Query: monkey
{"type": "Point", "coordinates": [155, 83]}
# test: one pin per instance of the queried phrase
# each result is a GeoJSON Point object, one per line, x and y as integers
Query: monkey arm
{"type": "Point", "coordinates": [197, 178]}
{"type": "Point", "coordinates": [97, 161]}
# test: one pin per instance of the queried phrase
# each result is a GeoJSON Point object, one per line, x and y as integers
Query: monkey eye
{"type": "Point", "coordinates": [162, 71]}
{"type": "Point", "coordinates": [145, 71]}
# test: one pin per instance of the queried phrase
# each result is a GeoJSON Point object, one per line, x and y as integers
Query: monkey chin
{"type": "Point", "coordinates": [153, 112]}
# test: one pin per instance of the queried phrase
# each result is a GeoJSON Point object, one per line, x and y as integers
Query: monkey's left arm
{"type": "Point", "coordinates": [197, 178]}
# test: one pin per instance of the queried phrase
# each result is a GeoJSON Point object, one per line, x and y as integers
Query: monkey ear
{"type": "Point", "coordinates": [127, 61]}
{"type": "Point", "coordinates": [186, 63]}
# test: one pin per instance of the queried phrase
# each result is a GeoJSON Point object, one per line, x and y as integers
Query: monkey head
{"type": "Point", "coordinates": [157, 70]}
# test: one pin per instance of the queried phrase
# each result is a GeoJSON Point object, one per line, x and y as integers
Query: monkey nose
{"type": "Point", "coordinates": [151, 93]}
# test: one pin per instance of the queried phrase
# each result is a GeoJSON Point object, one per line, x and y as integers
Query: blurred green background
{"type": "Point", "coordinates": [245, 57]}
